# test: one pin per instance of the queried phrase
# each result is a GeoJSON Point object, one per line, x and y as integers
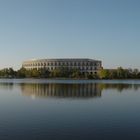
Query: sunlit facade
{"type": "Point", "coordinates": [83, 65]}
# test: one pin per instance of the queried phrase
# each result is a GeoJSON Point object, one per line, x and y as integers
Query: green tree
{"type": "Point", "coordinates": [21, 73]}
{"type": "Point", "coordinates": [120, 73]}
{"type": "Point", "coordinates": [104, 74]}
{"type": "Point", "coordinates": [75, 73]}
{"type": "Point", "coordinates": [43, 73]}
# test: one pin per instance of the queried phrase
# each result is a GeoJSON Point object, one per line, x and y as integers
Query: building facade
{"type": "Point", "coordinates": [83, 65]}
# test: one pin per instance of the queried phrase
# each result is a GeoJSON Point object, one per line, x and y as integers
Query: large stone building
{"type": "Point", "coordinates": [84, 65]}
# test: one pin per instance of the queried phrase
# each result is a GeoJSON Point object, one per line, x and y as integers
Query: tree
{"type": "Point", "coordinates": [56, 73]}
{"type": "Point", "coordinates": [112, 74]}
{"type": "Point", "coordinates": [21, 73]}
{"type": "Point", "coordinates": [104, 74]}
{"type": "Point", "coordinates": [120, 73]}
{"type": "Point", "coordinates": [75, 73]}
{"type": "Point", "coordinates": [35, 73]}
{"type": "Point", "coordinates": [43, 73]}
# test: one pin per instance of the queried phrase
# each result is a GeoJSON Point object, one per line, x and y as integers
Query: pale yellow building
{"type": "Point", "coordinates": [83, 65]}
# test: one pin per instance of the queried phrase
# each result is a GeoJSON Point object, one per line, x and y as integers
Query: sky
{"type": "Point", "coordinates": [108, 30]}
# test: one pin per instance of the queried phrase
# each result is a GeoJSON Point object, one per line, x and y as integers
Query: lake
{"type": "Point", "coordinates": [34, 109]}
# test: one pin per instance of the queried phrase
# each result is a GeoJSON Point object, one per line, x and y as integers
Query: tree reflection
{"type": "Point", "coordinates": [59, 90]}
{"type": "Point", "coordinates": [6, 86]}
{"type": "Point", "coordinates": [73, 90]}
{"type": "Point", "coordinates": [119, 87]}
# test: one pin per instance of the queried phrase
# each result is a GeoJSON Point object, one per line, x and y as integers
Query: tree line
{"type": "Point", "coordinates": [64, 72]}
{"type": "Point", "coordinates": [119, 73]}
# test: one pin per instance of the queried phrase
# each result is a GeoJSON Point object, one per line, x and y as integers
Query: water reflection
{"type": "Point", "coordinates": [6, 86]}
{"type": "Point", "coordinates": [68, 110]}
{"type": "Point", "coordinates": [59, 90]}
{"type": "Point", "coordinates": [62, 90]}
{"type": "Point", "coordinates": [119, 87]}
{"type": "Point", "coordinates": [91, 90]}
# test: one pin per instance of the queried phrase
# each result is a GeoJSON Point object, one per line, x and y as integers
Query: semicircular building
{"type": "Point", "coordinates": [83, 65]}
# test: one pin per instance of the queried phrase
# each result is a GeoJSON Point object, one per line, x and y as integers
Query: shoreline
{"type": "Point", "coordinates": [66, 79]}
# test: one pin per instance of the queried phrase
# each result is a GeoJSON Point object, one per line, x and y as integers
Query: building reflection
{"type": "Point", "coordinates": [59, 90]}
{"type": "Point", "coordinates": [62, 90]}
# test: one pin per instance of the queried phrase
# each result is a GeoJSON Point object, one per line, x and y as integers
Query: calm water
{"type": "Point", "coordinates": [69, 109]}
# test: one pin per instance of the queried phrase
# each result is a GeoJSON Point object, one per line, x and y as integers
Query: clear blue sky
{"type": "Point", "coordinates": [108, 30]}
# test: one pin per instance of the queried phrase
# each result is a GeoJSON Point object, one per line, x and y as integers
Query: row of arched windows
{"type": "Point", "coordinates": [79, 68]}
{"type": "Point", "coordinates": [62, 64]}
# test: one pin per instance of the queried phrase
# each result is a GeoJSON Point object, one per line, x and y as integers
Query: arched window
{"type": "Point", "coordinates": [67, 64]}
